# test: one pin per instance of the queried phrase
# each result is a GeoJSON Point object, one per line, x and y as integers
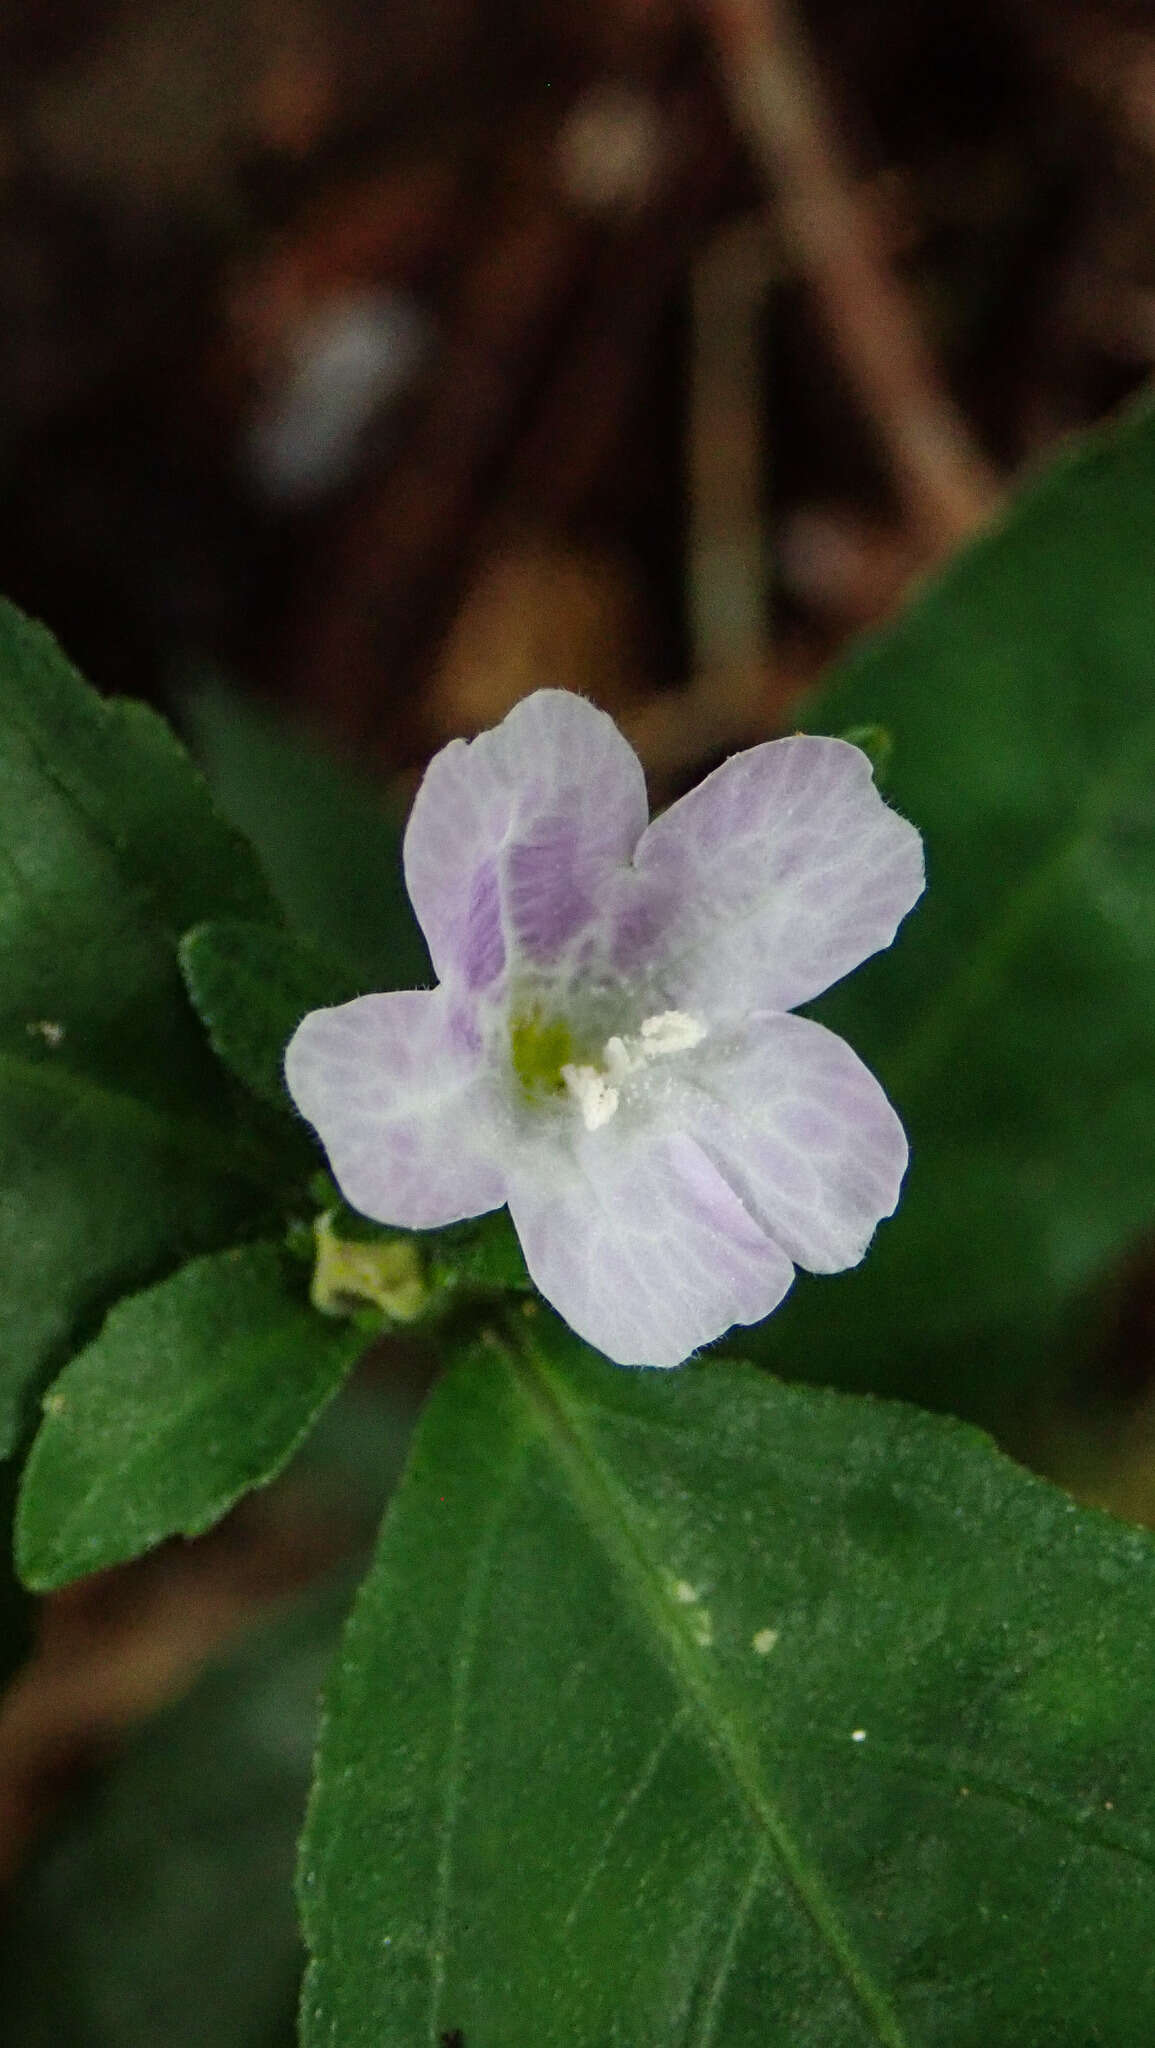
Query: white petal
{"type": "Point", "coordinates": [785, 869]}
{"type": "Point", "coordinates": [514, 835]}
{"type": "Point", "coordinates": [397, 1091]}
{"type": "Point", "coordinates": [801, 1131]}
{"type": "Point", "coordinates": [640, 1244]}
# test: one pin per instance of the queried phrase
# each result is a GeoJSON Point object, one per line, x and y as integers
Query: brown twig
{"type": "Point", "coordinates": [944, 480]}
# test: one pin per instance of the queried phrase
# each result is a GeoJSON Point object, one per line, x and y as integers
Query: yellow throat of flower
{"type": "Point", "coordinates": [540, 1047]}
{"type": "Point", "coordinates": [549, 1062]}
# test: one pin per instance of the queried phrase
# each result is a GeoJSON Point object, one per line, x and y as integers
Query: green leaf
{"type": "Point", "coordinates": [694, 1708]}
{"type": "Point", "coordinates": [251, 985]}
{"type": "Point", "coordinates": [484, 1254]}
{"type": "Point", "coordinates": [192, 1394]}
{"type": "Point", "coordinates": [1013, 1020]}
{"type": "Point", "coordinates": [125, 1148]}
{"type": "Point", "coordinates": [876, 743]}
{"type": "Point", "coordinates": [161, 1910]}
{"type": "Point", "coordinates": [330, 839]}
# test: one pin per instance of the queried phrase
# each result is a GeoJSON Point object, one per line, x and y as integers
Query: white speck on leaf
{"type": "Point", "coordinates": [47, 1029]}
{"type": "Point", "coordinates": [764, 1641]}
{"type": "Point", "coordinates": [858, 1735]}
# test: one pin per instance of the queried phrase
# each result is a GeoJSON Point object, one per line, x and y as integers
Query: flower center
{"type": "Point", "coordinates": [549, 1060]}
{"type": "Point", "coordinates": [540, 1048]}
{"type": "Point", "coordinates": [597, 1089]}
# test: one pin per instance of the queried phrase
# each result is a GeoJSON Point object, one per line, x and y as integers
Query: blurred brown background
{"type": "Point", "coordinates": [396, 360]}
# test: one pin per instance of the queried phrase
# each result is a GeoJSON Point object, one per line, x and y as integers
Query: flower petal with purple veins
{"type": "Point", "coordinates": [400, 1095]}
{"type": "Point", "coordinates": [643, 1247]}
{"type": "Point", "coordinates": [554, 800]}
{"type": "Point", "coordinates": [787, 868]}
{"type": "Point", "coordinates": [802, 1132]}
{"type": "Point", "coordinates": [483, 938]}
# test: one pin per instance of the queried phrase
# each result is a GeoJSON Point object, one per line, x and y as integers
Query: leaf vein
{"type": "Point", "coordinates": [616, 1526]}
{"type": "Point", "coordinates": [712, 2010]}
{"type": "Point", "coordinates": [465, 1650]}
{"type": "Point", "coordinates": [981, 1784]}
{"type": "Point", "coordinates": [626, 1806]}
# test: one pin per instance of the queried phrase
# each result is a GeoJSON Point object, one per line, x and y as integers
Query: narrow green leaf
{"type": "Point", "coordinates": [693, 1708]}
{"type": "Point", "coordinates": [1013, 1021]}
{"type": "Point", "coordinates": [159, 1913]}
{"type": "Point", "coordinates": [251, 985]}
{"type": "Point", "coordinates": [329, 838]}
{"type": "Point", "coordinates": [193, 1393]}
{"type": "Point", "coordinates": [125, 1147]}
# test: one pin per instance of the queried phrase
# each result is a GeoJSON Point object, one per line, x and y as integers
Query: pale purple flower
{"type": "Point", "coordinates": [609, 1048]}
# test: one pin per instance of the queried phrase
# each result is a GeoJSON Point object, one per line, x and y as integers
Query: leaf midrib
{"type": "Point", "coordinates": [616, 1526]}
{"type": "Point", "coordinates": [201, 1394]}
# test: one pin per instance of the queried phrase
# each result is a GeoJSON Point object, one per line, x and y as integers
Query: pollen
{"type": "Point", "coordinates": [673, 1031]}
{"type": "Point", "coordinates": [595, 1096]}
{"type": "Point", "coordinates": [597, 1089]}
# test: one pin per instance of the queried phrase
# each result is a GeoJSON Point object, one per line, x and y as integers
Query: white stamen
{"type": "Point", "coordinates": [597, 1090]}
{"type": "Point", "coordinates": [595, 1096]}
{"type": "Point", "coordinates": [672, 1031]}
{"type": "Point", "coordinates": [620, 1061]}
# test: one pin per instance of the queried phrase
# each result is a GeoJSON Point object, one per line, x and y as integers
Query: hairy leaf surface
{"type": "Point", "coordinates": [696, 1711]}
{"type": "Point", "coordinates": [194, 1392]}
